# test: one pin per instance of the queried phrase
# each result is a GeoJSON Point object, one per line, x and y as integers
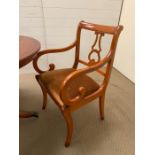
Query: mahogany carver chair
{"type": "Point", "coordinates": [72, 88]}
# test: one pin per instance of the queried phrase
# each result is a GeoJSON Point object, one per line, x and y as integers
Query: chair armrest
{"type": "Point", "coordinates": [77, 73]}
{"type": "Point", "coordinates": [47, 51]}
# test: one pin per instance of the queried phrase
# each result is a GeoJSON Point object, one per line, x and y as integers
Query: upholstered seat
{"type": "Point", "coordinates": [52, 80]}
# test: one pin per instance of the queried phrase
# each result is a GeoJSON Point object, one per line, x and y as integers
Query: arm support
{"type": "Point", "coordinates": [52, 66]}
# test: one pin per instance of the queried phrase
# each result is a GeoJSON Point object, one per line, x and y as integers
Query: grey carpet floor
{"type": "Point", "coordinates": [46, 135]}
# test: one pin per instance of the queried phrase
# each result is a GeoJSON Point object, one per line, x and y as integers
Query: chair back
{"type": "Point", "coordinates": [99, 32]}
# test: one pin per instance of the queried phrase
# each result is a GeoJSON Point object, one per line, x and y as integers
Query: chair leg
{"type": "Point", "coordinates": [101, 106]}
{"type": "Point", "coordinates": [69, 123]}
{"type": "Point", "coordinates": [44, 94]}
{"type": "Point", "coordinates": [44, 98]}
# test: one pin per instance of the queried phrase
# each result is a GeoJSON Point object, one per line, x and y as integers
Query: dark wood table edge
{"type": "Point", "coordinates": [23, 62]}
{"type": "Point", "coordinates": [27, 60]}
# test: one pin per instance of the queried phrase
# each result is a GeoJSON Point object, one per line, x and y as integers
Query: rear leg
{"type": "Point", "coordinates": [44, 93]}
{"type": "Point", "coordinates": [101, 106]}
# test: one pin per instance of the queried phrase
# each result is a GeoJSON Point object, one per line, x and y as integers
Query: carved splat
{"type": "Point", "coordinates": [94, 50]}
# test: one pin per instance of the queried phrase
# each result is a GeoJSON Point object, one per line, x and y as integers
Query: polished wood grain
{"type": "Point", "coordinates": [28, 49]}
{"type": "Point", "coordinates": [71, 104]}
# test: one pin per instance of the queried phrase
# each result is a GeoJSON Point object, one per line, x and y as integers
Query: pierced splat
{"type": "Point", "coordinates": [94, 50]}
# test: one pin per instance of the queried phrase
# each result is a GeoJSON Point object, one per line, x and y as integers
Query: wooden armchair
{"type": "Point", "coordinates": [72, 88]}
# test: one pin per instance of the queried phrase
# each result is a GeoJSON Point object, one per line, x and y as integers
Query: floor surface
{"type": "Point", "coordinates": [46, 135]}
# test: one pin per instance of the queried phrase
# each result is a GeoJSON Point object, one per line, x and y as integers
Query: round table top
{"type": "Point", "coordinates": [28, 48]}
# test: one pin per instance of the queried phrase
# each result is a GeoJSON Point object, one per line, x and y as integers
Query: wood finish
{"type": "Point", "coordinates": [27, 114]}
{"type": "Point", "coordinates": [28, 49]}
{"type": "Point", "coordinates": [72, 104]}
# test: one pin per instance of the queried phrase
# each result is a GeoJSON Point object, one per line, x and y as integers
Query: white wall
{"type": "Point", "coordinates": [54, 22]}
{"type": "Point", "coordinates": [31, 24]}
{"type": "Point", "coordinates": [125, 54]}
